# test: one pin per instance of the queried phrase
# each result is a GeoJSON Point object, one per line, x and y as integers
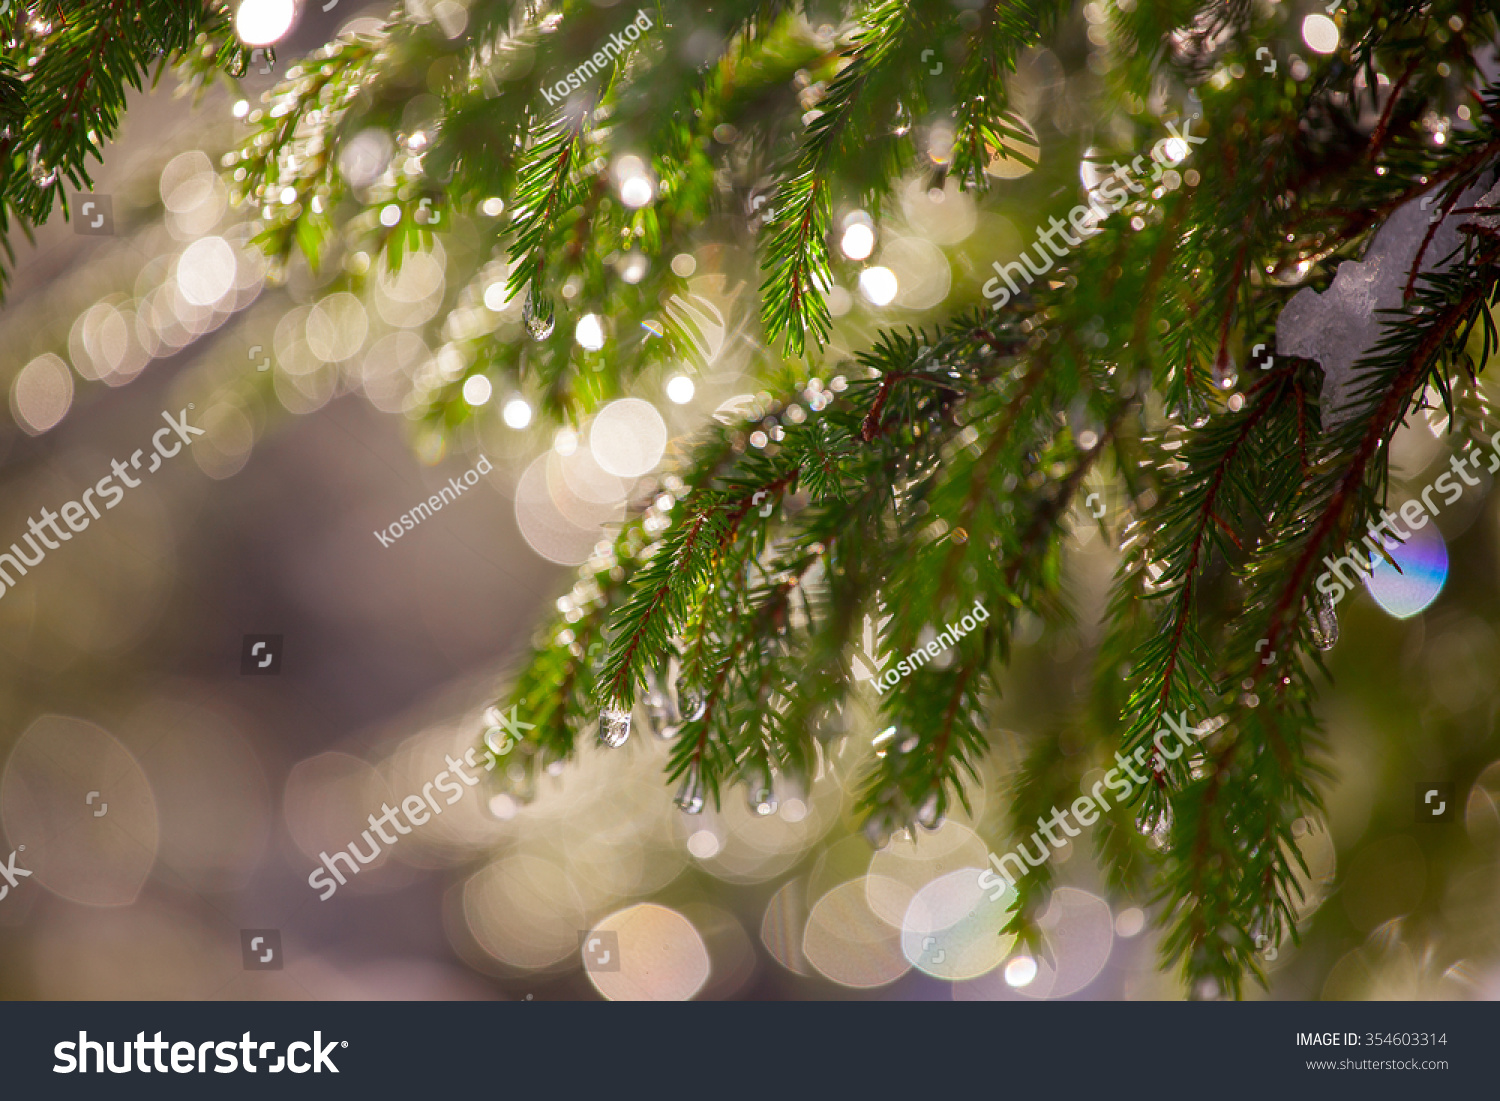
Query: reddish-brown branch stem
{"type": "Point", "coordinates": [985, 464]}
{"type": "Point", "coordinates": [1184, 605]}
{"type": "Point", "coordinates": [623, 675]}
{"type": "Point", "coordinates": [1382, 128]}
{"type": "Point", "coordinates": [1380, 424]}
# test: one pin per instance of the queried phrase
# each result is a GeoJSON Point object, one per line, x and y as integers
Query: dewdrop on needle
{"type": "Point", "coordinates": [901, 120]}
{"type": "Point", "coordinates": [927, 816]}
{"type": "Point", "coordinates": [1323, 621]}
{"type": "Point", "coordinates": [690, 793]}
{"type": "Point", "coordinates": [763, 801]}
{"type": "Point", "coordinates": [658, 706]}
{"type": "Point", "coordinates": [614, 727]}
{"type": "Point", "coordinates": [691, 705]}
{"type": "Point", "coordinates": [762, 795]}
{"type": "Point", "coordinates": [1157, 825]}
{"type": "Point", "coordinates": [539, 327]}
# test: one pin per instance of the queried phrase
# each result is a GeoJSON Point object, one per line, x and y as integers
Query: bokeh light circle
{"type": "Point", "coordinates": [921, 272]}
{"type": "Point", "coordinates": [1020, 972]}
{"type": "Point", "coordinates": [548, 528]}
{"type": "Point", "coordinates": [1078, 936]}
{"type": "Point", "coordinates": [206, 271]}
{"type": "Point", "coordinates": [662, 957]}
{"type": "Point", "coordinates": [477, 390]}
{"type": "Point", "coordinates": [858, 241]}
{"type": "Point", "coordinates": [524, 911]}
{"type": "Point", "coordinates": [628, 437]}
{"type": "Point", "coordinates": [41, 394]}
{"type": "Point", "coordinates": [1424, 568]}
{"type": "Point", "coordinates": [1006, 161]}
{"type": "Point", "coordinates": [62, 772]}
{"type": "Point", "coordinates": [1320, 33]}
{"type": "Point", "coordinates": [263, 22]}
{"type": "Point", "coordinates": [849, 943]}
{"type": "Point", "coordinates": [878, 285]}
{"type": "Point", "coordinates": [950, 927]}
{"type": "Point", "coordinates": [517, 412]}
{"type": "Point", "coordinates": [907, 865]}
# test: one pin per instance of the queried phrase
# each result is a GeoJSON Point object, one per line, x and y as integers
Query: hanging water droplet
{"type": "Point", "coordinates": [691, 705]}
{"type": "Point", "coordinates": [760, 792]}
{"type": "Point", "coordinates": [614, 727]}
{"type": "Point", "coordinates": [928, 817]}
{"type": "Point", "coordinates": [43, 174]}
{"type": "Point", "coordinates": [1225, 375]}
{"type": "Point", "coordinates": [1157, 825]}
{"type": "Point", "coordinates": [959, 536]}
{"type": "Point", "coordinates": [658, 708]}
{"type": "Point", "coordinates": [763, 800]}
{"type": "Point", "coordinates": [690, 793]}
{"type": "Point", "coordinates": [878, 832]}
{"type": "Point", "coordinates": [1323, 620]}
{"type": "Point", "coordinates": [901, 120]}
{"type": "Point", "coordinates": [538, 326]}
{"type": "Point", "coordinates": [522, 784]}
{"type": "Point", "coordinates": [909, 744]}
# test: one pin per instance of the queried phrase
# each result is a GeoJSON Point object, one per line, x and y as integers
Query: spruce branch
{"type": "Point", "coordinates": [943, 467]}
{"type": "Point", "coordinates": [665, 588]}
{"type": "Point", "coordinates": [797, 260]}
{"type": "Point", "coordinates": [1408, 356]}
{"type": "Point", "coordinates": [65, 71]}
{"type": "Point", "coordinates": [983, 127]}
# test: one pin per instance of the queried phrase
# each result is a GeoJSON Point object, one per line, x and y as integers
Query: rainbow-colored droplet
{"type": "Point", "coordinates": [1424, 568]}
